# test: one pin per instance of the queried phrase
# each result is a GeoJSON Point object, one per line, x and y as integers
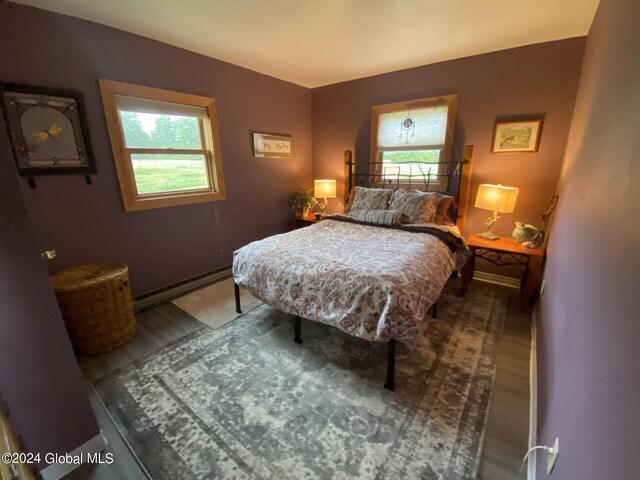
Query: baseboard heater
{"type": "Point", "coordinates": [165, 294]}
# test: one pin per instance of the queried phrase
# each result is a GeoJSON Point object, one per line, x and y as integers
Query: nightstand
{"type": "Point", "coordinates": [505, 251]}
{"type": "Point", "coordinates": [306, 221]}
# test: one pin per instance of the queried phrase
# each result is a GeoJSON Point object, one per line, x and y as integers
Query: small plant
{"type": "Point", "coordinates": [302, 199]}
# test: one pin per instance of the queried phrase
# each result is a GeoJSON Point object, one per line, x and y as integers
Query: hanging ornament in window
{"type": "Point", "coordinates": [407, 127]}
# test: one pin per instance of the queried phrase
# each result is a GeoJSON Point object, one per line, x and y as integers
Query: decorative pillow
{"type": "Point", "coordinates": [379, 217]}
{"type": "Point", "coordinates": [349, 205]}
{"type": "Point", "coordinates": [444, 203]}
{"type": "Point", "coordinates": [416, 207]}
{"type": "Point", "coordinates": [370, 199]}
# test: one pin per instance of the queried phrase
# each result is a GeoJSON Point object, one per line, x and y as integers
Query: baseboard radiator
{"type": "Point", "coordinates": [497, 279]}
{"type": "Point", "coordinates": [156, 297]}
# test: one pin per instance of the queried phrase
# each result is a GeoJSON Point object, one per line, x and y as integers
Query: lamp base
{"type": "Point", "coordinates": [488, 236]}
{"type": "Point", "coordinates": [322, 205]}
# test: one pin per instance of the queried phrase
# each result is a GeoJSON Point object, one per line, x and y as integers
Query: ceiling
{"type": "Point", "coordinates": [319, 42]}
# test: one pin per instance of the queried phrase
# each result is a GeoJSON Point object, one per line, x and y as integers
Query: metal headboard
{"type": "Point", "coordinates": [456, 176]}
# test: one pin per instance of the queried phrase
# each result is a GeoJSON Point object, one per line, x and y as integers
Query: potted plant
{"type": "Point", "coordinates": [301, 201]}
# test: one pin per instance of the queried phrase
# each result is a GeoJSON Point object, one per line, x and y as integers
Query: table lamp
{"type": "Point", "coordinates": [324, 189]}
{"type": "Point", "coordinates": [498, 199]}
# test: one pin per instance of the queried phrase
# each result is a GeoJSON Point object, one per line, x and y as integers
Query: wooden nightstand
{"type": "Point", "coordinates": [306, 221]}
{"type": "Point", "coordinates": [505, 251]}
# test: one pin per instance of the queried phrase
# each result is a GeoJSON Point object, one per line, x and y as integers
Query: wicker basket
{"type": "Point", "coordinates": [95, 301]}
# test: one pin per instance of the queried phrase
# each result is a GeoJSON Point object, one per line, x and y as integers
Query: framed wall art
{"type": "Point", "coordinates": [48, 130]}
{"type": "Point", "coordinates": [520, 136]}
{"type": "Point", "coordinates": [272, 145]}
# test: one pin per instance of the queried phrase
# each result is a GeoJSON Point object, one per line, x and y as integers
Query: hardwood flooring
{"type": "Point", "coordinates": [156, 327]}
{"type": "Point", "coordinates": [507, 435]}
{"type": "Point", "coordinates": [508, 423]}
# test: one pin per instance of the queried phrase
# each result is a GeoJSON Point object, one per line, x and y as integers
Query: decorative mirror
{"type": "Point", "coordinates": [48, 131]}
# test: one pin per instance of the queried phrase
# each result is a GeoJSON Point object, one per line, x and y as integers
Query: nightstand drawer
{"type": "Point", "coordinates": [306, 221]}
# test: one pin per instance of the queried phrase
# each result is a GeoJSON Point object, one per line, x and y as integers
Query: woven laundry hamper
{"type": "Point", "coordinates": [95, 301]}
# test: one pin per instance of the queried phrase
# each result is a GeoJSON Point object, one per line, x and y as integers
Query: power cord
{"type": "Point", "coordinates": [547, 449]}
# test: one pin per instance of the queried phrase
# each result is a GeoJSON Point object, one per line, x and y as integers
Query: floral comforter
{"type": "Point", "coordinates": [371, 282]}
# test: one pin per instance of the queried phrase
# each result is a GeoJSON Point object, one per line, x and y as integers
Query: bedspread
{"type": "Point", "coordinates": [371, 282]}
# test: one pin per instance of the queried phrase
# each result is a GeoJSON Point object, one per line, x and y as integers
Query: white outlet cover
{"type": "Point", "coordinates": [553, 455]}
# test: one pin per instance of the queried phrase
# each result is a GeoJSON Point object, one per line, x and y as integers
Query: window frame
{"type": "Point", "coordinates": [210, 137]}
{"type": "Point", "coordinates": [440, 184]}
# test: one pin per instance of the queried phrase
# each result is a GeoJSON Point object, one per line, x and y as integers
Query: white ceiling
{"type": "Point", "coordinates": [319, 42]}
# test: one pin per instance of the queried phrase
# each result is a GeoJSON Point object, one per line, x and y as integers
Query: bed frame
{"type": "Point", "coordinates": [453, 179]}
{"type": "Point", "coordinates": [457, 182]}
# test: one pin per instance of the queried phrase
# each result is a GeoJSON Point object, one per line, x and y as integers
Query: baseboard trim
{"type": "Point", "coordinates": [497, 279]}
{"type": "Point", "coordinates": [151, 299]}
{"type": "Point", "coordinates": [55, 471]}
{"type": "Point", "coordinates": [533, 392]}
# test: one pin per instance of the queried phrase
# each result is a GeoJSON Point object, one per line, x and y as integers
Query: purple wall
{"type": "Point", "coordinates": [589, 329]}
{"type": "Point", "coordinates": [162, 246]}
{"type": "Point", "coordinates": [39, 377]}
{"type": "Point", "coordinates": [521, 82]}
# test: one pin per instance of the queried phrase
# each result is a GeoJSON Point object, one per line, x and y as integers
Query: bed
{"type": "Point", "coordinates": [373, 281]}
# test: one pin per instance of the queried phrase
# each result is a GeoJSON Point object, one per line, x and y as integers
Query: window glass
{"type": "Point", "coordinates": [410, 136]}
{"type": "Point", "coordinates": [165, 145]}
{"type": "Point", "coordinates": [156, 173]}
{"type": "Point", "coordinates": [151, 130]}
{"type": "Point", "coordinates": [402, 165]}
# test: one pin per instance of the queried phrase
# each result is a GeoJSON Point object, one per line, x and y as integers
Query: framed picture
{"type": "Point", "coordinates": [48, 130]}
{"type": "Point", "coordinates": [520, 136]}
{"type": "Point", "coordinates": [272, 145]}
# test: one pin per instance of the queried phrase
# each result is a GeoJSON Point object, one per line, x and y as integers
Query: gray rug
{"type": "Point", "coordinates": [245, 401]}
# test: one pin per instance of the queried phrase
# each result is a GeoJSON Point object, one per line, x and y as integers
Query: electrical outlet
{"type": "Point", "coordinates": [49, 254]}
{"type": "Point", "coordinates": [553, 455]}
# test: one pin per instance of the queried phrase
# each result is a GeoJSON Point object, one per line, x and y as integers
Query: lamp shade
{"type": "Point", "coordinates": [324, 188]}
{"type": "Point", "coordinates": [497, 198]}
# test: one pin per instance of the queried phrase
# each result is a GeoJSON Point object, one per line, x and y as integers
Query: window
{"type": "Point", "coordinates": [405, 133]}
{"type": "Point", "coordinates": [165, 144]}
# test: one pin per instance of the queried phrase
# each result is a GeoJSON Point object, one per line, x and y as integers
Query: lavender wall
{"type": "Point", "coordinates": [39, 378]}
{"type": "Point", "coordinates": [518, 83]}
{"type": "Point", "coordinates": [589, 329]}
{"type": "Point", "coordinates": [167, 245]}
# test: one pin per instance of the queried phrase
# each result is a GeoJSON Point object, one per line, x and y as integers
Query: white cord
{"type": "Point", "coordinates": [539, 447]}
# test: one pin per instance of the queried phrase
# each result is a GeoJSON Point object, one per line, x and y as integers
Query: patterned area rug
{"type": "Point", "coordinates": [245, 401]}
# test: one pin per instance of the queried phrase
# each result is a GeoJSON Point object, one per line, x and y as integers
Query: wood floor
{"type": "Point", "coordinates": [156, 327]}
{"type": "Point", "coordinates": [507, 436]}
{"type": "Point", "coordinates": [507, 429]}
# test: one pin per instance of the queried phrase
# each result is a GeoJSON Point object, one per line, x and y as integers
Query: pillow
{"type": "Point", "coordinates": [416, 207]}
{"type": "Point", "coordinates": [444, 203]}
{"type": "Point", "coordinates": [379, 217]}
{"type": "Point", "coordinates": [370, 199]}
{"type": "Point", "coordinates": [349, 204]}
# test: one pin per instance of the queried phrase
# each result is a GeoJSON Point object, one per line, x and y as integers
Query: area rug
{"type": "Point", "coordinates": [215, 305]}
{"type": "Point", "coordinates": [245, 401]}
